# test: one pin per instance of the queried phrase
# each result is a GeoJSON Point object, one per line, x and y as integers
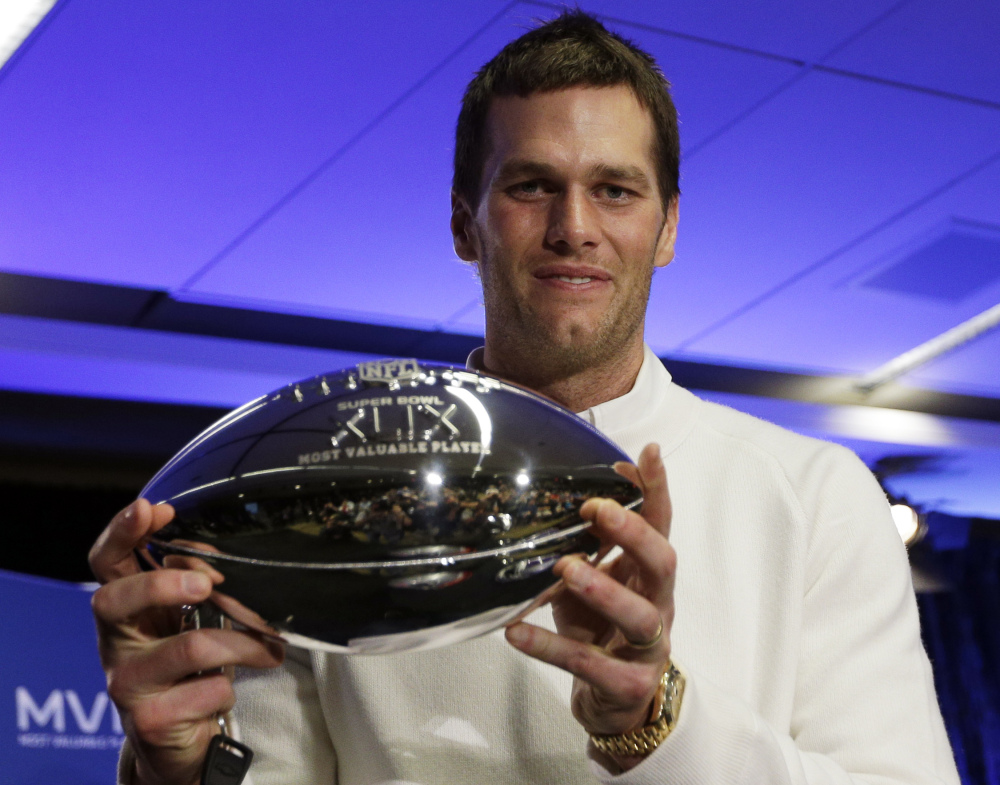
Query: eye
{"type": "Point", "coordinates": [529, 190]}
{"type": "Point", "coordinates": [615, 192]}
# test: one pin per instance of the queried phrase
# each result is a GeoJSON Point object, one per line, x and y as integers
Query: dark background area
{"type": "Point", "coordinates": [68, 464]}
{"type": "Point", "coordinates": [50, 528]}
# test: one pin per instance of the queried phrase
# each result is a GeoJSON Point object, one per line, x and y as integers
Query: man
{"type": "Point", "coordinates": [796, 654]}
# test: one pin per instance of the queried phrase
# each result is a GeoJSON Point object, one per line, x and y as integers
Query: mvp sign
{"type": "Point", "coordinates": [56, 722]}
{"type": "Point", "coordinates": [45, 723]}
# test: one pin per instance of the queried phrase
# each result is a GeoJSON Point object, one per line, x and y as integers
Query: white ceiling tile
{"type": "Point", "coordinates": [140, 138]}
{"type": "Point", "coordinates": [712, 86]}
{"type": "Point", "coordinates": [829, 322]}
{"type": "Point", "coordinates": [146, 138]}
{"type": "Point", "coordinates": [820, 166]}
{"type": "Point", "coordinates": [952, 46]}
{"type": "Point", "coordinates": [370, 240]}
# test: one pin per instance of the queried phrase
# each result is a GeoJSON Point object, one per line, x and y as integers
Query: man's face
{"type": "Point", "coordinates": [569, 227]}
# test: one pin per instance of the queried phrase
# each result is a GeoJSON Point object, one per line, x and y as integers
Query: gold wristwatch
{"type": "Point", "coordinates": [662, 719]}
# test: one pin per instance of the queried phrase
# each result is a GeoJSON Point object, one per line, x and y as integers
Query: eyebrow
{"type": "Point", "coordinates": [629, 174]}
{"type": "Point", "coordinates": [520, 167]}
{"type": "Point", "coordinates": [516, 168]}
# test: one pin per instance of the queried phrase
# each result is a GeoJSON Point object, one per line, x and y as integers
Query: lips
{"type": "Point", "coordinates": [573, 274]}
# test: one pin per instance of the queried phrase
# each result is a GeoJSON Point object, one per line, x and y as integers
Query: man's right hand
{"type": "Point", "coordinates": [167, 710]}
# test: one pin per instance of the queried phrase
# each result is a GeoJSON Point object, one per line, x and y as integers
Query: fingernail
{"type": "Point", "coordinates": [196, 584]}
{"type": "Point", "coordinates": [575, 574]}
{"type": "Point", "coordinates": [517, 634]}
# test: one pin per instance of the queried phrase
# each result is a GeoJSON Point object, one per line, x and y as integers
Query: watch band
{"type": "Point", "coordinates": [662, 719]}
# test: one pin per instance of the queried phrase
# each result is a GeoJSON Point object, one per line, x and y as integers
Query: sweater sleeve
{"type": "Point", "coordinates": [865, 710]}
{"type": "Point", "coordinates": [280, 717]}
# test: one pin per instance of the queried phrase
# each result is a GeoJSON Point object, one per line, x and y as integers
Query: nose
{"type": "Point", "coordinates": [573, 223]}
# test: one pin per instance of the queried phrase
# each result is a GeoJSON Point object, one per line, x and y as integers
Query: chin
{"type": "Point", "coordinates": [571, 334]}
{"type": "Point", "coordinates": [568, 352]}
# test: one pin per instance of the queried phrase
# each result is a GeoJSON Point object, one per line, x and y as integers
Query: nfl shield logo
{"type": "Point", "coordinates": [387, 371]}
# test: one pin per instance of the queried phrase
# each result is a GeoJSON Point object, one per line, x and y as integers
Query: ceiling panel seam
{"type": "Point", "coordinates": [304, 183]}
{"type": "Point", "coordinates": [441, 329]}
{"type": "Point", "coordinates": [459, 313]}
{"type": "Point", "coordinates": [804, 70]}
{"type": "Point", "coordinates": [727, 126]}
{"type": "Point", "coordinates": [697, 39]}
{"type": "Point", "coordinates": [817, 68]}
{"type": "Point", "coordinates": [909, 86]}
{"type": "Point", "coordinates": [849, 245]}
{"type": "Point", "coordinates": [804, 67]}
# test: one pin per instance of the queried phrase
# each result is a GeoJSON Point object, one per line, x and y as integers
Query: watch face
{"type": "Point", "coordinates": [392, 506]}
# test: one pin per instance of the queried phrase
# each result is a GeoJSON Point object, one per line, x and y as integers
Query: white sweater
{"type": "Point", "coordinates": [796, 627]}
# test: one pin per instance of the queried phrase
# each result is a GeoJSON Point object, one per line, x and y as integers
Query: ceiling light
{"type": "Point", "coordinates": [17, 19]}
{"type": "Point", "coordinates": [928, 350]}
{"type": "Point", "coordinates": [907, 522]}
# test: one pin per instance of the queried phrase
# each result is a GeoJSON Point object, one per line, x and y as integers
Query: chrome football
{"type": "Point", "coordinates": [392, 506]}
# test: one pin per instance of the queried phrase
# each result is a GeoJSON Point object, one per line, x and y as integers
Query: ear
{"type": "Point", "coordinates": [463, 229]}
{"type": "Point", "coordinates": [664, 253]}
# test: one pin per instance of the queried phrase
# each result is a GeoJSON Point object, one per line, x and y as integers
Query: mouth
{"type": "Point", "coordinates": [571, 275]}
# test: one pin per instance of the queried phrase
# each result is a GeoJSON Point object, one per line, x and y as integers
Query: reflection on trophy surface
{"type": "Point", "coordinates": [387, 507]}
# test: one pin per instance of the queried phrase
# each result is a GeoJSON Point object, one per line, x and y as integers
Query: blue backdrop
{"type": "Point", "coordinates": [57, 725]}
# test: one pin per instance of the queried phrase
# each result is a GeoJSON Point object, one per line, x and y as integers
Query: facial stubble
{"type": "Point", "coordinates": [540, 352]}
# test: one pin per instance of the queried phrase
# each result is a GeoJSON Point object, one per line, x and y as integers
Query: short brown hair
{"type": "Point", "coordinates": [573, 49]}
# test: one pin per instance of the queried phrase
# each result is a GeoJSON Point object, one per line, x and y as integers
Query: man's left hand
{"type": "Point", "coordinates": [614, 620]}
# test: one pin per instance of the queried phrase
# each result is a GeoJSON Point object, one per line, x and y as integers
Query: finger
{"type": "Point", "coordinates": [178, 657]}
{"type": "Point", "coordinates": [650, 476]}
{"type": "Point", "coordinates": [647, 548]}
{"type": "Point", "coordinates": [195, 699]}
{"type": "Point", "coordinates": [656, 506]}
{"type": "Point", "coordinates": [626, 688]}
{"type": "Point", "coordinates": [112, 555]}
{"type": "Point", "coordinates": [174, 727]}
{"type": "Point", "coordinates": [633, 615]}
{"type": "Point", "coordinates": [572, 618]}
{"type": "Point", "coordinates": [120, 601]}
{"type": "Point", "coordinates": [629, 471]}
{"type": "Point", "coordinates": [179, 562]}
{"type": "Point", "coordinates": [195, 545]}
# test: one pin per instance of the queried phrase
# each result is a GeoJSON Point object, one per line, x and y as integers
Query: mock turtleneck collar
{"type": "Point", "coordinates": [615, 414]}
{"type": "Point", "coordinates": [628, 419]}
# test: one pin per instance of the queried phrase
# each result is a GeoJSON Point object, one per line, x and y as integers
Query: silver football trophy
{"type": "Point", "coordinates": [389, 507]}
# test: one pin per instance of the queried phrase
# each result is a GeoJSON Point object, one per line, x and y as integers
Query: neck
{"type": "Point", "coordinates": [577, 390]}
